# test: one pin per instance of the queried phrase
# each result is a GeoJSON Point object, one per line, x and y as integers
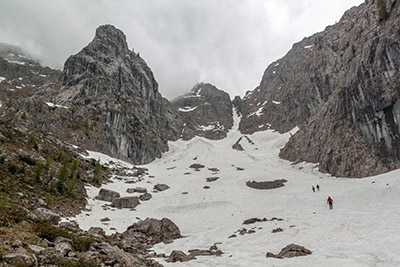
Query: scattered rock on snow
{"type": "Point", "coordinates": [196, 166]}
{"type": "Point", "coordinates": [254, 220]}
{"type": "Point", "coordinates": [161, 187]}
{"type": "Point", "coordinates": [177, 255]}
{"type": "Point", "coordinates": [290, 251]}
{"type": "Point", "coordinates": [106, 219]}
{"type": "Point", "coordinates": [205, 252]}
{"type": "Point", "coordinates": [107, 195]}
{"type": "Point", "coordinates": [145, 197]}
{"type": "Point", "coordinates": [277, 230]}
{"type": "Point", "coordinates": [125, 202]}
{"type": "Point", "coordinates": [266, 185]}
{"type": "Point", "coordinates": [212, 179]}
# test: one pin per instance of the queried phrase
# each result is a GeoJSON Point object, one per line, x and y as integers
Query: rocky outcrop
{"type": "Point", "coordinates": [107, 100]}
{"type": "Point", "coordinates": [206, 111]}
{"type": "Point", "coordinates": [340, 86]}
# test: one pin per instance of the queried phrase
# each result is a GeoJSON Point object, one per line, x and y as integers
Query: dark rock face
{"type": "Point", "coordinates": [111, 102]}
{"type": "Point", "coordinates": [340, 86]}
{"type": "Point", "coordinates": [206, 111]}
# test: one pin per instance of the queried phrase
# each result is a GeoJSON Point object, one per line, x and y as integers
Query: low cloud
{"type": "Point", "coordinates": [227, 42]}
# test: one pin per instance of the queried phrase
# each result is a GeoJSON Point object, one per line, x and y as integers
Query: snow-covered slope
{"type": "Point", "coordinates": [361, 230]}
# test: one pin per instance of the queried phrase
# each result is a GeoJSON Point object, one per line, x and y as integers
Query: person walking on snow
{"type": "Point", "coordinates": [313, 189]}
{"type": "Point", "coordinates": [317, 187]}
{"type": "Point", "coordinates": [330, 202]}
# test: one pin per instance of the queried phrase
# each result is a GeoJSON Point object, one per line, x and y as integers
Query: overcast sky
{"type": "Point", "coordinates": [228, 43]}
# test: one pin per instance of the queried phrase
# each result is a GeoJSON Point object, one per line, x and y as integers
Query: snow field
{"type": "Point", "coordinates": [362, 229]}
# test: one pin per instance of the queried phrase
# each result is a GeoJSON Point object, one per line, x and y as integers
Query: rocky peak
{"type": "Point", "coordinates": [108, 97]}
{"type": "Point", "coordinates": [111, 38]}
{"type": "Point", "coordinates": [206, 111]}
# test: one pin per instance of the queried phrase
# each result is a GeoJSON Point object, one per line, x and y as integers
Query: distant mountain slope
{"type": "Point", "coordinates": [206, 111]}
{"type": "Point", "coordinates": [341, 86]}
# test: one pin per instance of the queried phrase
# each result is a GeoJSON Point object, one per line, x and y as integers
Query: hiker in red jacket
{"type": "Point", "coordinates": [330, 202]}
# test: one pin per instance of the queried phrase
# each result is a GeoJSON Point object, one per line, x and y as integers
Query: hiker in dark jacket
{"type": "Point", "coordinates": [318, 187]}
{"type": "Point", "coordinates": [330, 202]}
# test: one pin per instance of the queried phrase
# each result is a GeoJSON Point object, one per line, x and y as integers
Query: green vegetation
{"type": "Point", "coordinates": [3, 200]}
{"type": "Point", "coordinates": [28, 160]}
{"type": "Point", "coordinates": [97, 171]}
{"type": "Point", "coordinates": [383, 14]}
{"type": "Point", "coordinates": [39, 168]}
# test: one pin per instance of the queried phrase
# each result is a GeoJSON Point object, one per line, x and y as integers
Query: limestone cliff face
{"type": "Point", "coordinates": [341, 87]}
{"type": "Point", "coordinates": [107, 100]}
{"type": "Point", "coordinates": [205, 111]}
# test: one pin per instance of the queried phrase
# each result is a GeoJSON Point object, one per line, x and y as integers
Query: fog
{"type": "Point", "coordinates": [228, 43]}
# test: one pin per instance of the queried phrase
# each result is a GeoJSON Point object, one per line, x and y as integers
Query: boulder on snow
{"type": "Point", "coordinates": [179, 256]}
{"type": "Point", "coordinates": [196, 166]}
{"type": "Point", "coordinates": [107, 195]}
{"type": "Point", "coordinates": [254, 220]}
{"type": "Point", "coordinates": [141, 190]}
{"type": "Point", "coordinates": [266, 185]}
{"type": "Point", "coordinates": [125, 202]}
{"type": "Point", "coordinates": [290, 251]}
{"type": "Point", "coordinates": [163, 230]}
{"type": "Point", "coordinates": [205, 252]}
{"type": "Point", "coordinates": [145, 197]}
{"type": "Point", "coordinates": [161, 187]}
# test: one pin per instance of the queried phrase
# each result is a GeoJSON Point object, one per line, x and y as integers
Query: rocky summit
{"type": "Point", "coordinates": [340, 86]}
{"type": "Point", "coordinates": [206, 111]}
{"type": "Point", "coordinates": [107, 100]}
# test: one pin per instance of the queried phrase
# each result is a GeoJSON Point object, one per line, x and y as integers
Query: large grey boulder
{"type": "Point", "coordinates": [63, 248]}
{"type": "Point", "coordinates": [107, 195]}
{"type": "Point", "coordinates": [125, 202]}
{"type": "Point", "coordinates": [46, 214]}
{"type": "Point", "coordinates": [155, 230]}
